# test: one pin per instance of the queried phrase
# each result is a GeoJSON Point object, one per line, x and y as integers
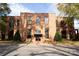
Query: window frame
{"type": "Point", "coordinates": [46, 20]}
{"type": "Point", "coordinates": [38, 20]}
{"type": "Point", "coordinates": [29, 20]}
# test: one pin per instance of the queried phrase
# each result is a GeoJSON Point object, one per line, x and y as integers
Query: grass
{"type": "Point", "coordinates": [63, 42]}
{"type": "Point", "coordinates": [68, 42]}
{"type": "Point", "coordinates": [47, 41]}
{"type": "Point", "coordinates": [14, 42]}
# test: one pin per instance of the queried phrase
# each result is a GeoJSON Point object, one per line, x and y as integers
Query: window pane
{"type": "Point", "coordinates": [29, 31]}
{"type": "Point", "coordinates": [46, 32]}
{"type": "Point", "coordinates": [29, 20]}
{"type": "Point", "coordinates": [38, 31]}
{"type": "Point", "coordinates": [46, 20]}
{"type": "Point", "coordinates": [38, 21]}
{"type": "Point", "coordinates": [17, 22]}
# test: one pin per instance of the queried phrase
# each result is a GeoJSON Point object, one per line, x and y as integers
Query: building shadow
{"type": "Point", "coordinates": [47, 54]}
{"type": "Point", "coordinates": [7, 48]}
{"type": "Point", "coordinates": [69, 47]}
{"type": "Point", "coordinates": [62, 50]}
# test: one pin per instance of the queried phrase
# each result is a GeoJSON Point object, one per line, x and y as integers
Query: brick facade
{"type": "Point", "coordinates": [31, 23]}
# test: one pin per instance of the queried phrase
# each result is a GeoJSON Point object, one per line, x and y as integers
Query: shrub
{"type": "Point", "coordinates": [58, 37]}
{"type": "Point", "coordinates": [17, 36]}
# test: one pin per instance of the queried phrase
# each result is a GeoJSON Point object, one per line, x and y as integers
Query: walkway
{"type": "Point", "coordinates": [44, 50]}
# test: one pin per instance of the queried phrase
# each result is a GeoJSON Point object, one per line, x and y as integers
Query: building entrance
{"type": "Point", "coordinates": [38, 37]}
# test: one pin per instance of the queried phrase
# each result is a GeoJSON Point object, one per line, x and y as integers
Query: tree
{"type": "Point", "coordinates": [4, 11]}
{"type": "Point", "coordinates": [69, 9]}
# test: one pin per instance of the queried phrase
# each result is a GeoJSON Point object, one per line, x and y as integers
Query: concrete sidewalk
{"type": "Point", "coordinates": [9, 48]}
{"type": "Point", "coordinates": [45, 50]}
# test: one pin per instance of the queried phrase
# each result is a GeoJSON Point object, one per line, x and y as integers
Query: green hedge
{"type": "Point", "coordinates": [17, 36]}
{"type": "Point", "coordinates": [58, 36]}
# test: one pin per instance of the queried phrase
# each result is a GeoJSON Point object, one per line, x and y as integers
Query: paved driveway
{"type": "Point", "coordinates": [43, 50]}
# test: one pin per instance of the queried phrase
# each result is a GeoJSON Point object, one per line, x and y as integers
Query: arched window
{"type": "Point", "coordinates": [46, 20]}
{"type": "Point", "coordinates": [38, 20]}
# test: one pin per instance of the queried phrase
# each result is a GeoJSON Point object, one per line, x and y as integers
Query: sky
{"type": "Point", "coordinates": [16, 8]}
{"type": "Point", "coordinates": [76, 24]}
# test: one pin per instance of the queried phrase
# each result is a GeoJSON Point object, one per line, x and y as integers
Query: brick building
{"type": "Point", "coordinates": [33, 23]}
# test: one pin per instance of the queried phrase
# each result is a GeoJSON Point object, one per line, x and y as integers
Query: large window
{"type": "Point", "coordinates": [18, 22]}
{"type": "Point", "coordinates": [11, 28]}
{"type": "Point", "coordinates": [38, 31]}
{"type": "Point", "coordinates": [46, 20]}
{"type": "Point", "coordinates": [29, 21]}
{"type": "Point", "coordinates": [29, 31]}
{"type": "Point", "coordinates": [11, 23]}
{"type": "Point", "coordinates": [38, 20]}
